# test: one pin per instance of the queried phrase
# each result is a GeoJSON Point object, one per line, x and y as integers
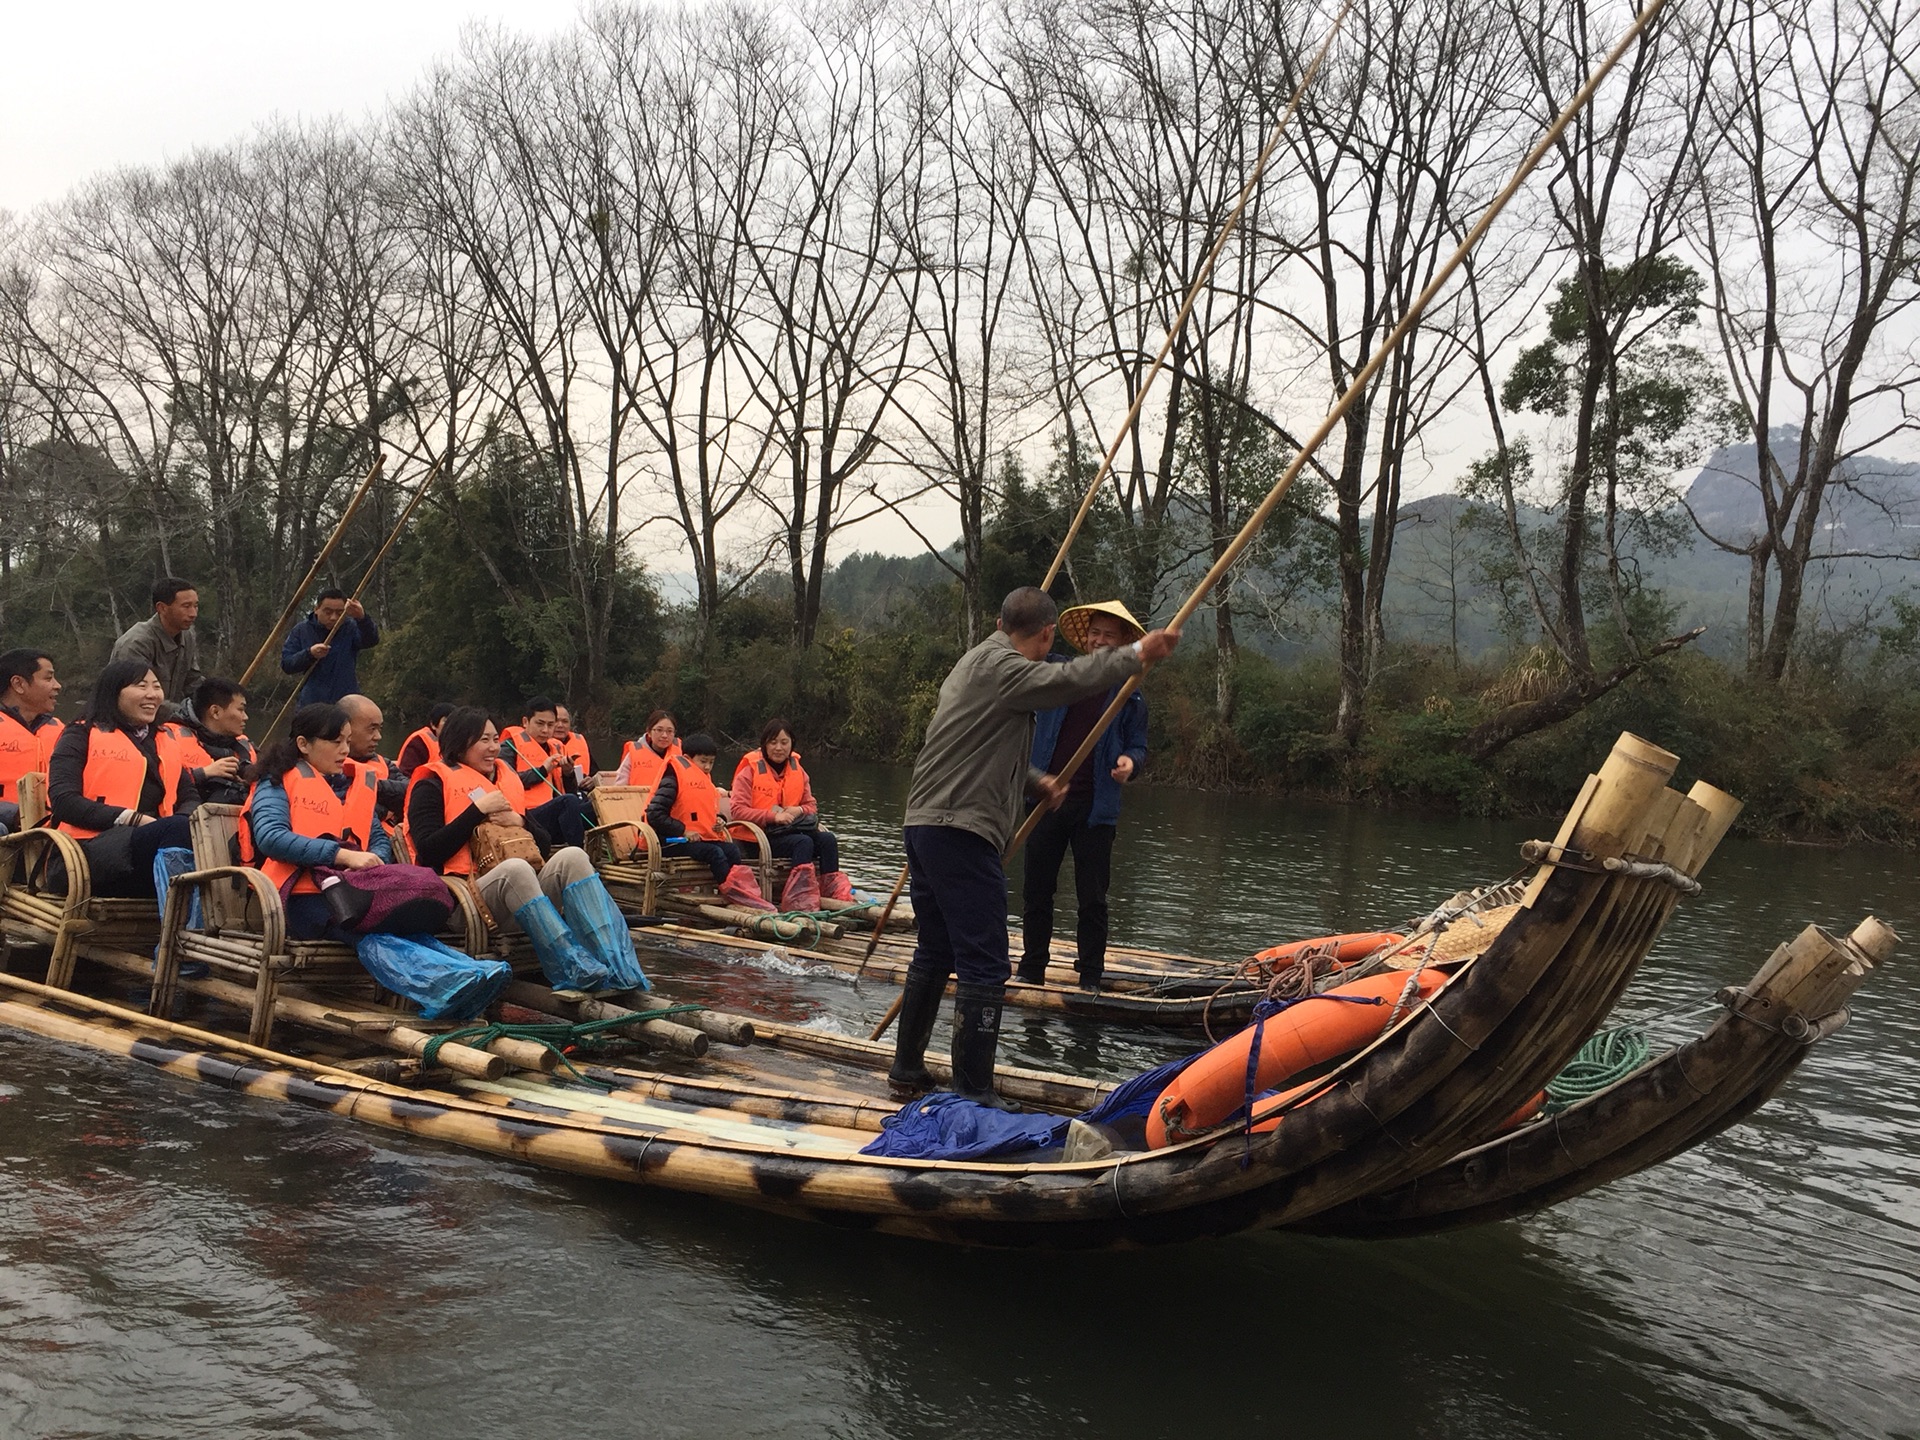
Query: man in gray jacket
{"type": "Point", "coordinates": [166, 642]}
{"type": "Point", "coordinates": [962, 809]}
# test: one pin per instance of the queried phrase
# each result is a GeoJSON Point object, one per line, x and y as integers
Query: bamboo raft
{"type": "Point", "coordinates": [1404, 1136]}
{"type": "Point", "coordinates": [1141, 986]}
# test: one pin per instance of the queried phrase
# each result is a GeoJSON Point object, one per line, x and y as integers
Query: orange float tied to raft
{"type": "Point", "coordinates": [1345, 948]}
{"type": "Point", "coordinates": [1307, 1033]}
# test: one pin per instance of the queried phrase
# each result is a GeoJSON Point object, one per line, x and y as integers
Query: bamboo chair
{"type": "Point", "coordinates": [119, 931]}
{"type": "Point", "coordinates": [243, 930]}
{"type": "Point", "coordinates": [641, 874]}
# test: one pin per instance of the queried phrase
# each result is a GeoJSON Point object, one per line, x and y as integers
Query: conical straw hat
{"type": "Point", "coordinates": [1074, 622]}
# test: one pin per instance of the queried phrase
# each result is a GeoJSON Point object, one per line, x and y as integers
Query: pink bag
{"type": "Point", "coordinates": [384, 900]}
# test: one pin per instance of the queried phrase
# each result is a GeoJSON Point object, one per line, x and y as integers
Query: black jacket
{"type": "Point", "coordinates": [435, 838]}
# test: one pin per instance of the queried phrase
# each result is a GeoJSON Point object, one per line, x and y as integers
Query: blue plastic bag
{"type": "Point", "coordinates": [443, 982]}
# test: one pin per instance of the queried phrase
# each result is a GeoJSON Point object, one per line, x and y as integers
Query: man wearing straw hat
{"type": "Point", "coordinates": [962, 808]}
{"type": "Point", "coordinates": [1087, 820]}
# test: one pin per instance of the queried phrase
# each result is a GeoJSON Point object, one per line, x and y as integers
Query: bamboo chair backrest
{"type": "Point", "coordinates": [33, 799]}
{"type": "Point", "coordinates": [618, 804]}
{"type": "Point", "coordinates": [215, 829]}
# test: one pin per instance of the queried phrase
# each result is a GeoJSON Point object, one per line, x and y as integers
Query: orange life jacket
{"type": "Point", "coordinates": [23, 751]}
{"type": "Point", "coordinates": [645, 765]}
{"type": "Point", "coordinates": [195, 756]}
{"type": "Point", "coordinates": [528, 753]}
{"type": "Point", "coordinates": [315, 811]}
{"type": "Point", "coordinates": [427, 738]}
{"type": "Point", "coordinates": [577, 750]}
{"type": "Point", "coordinates": [377, 766]}
{"type": "Point", "coordinates": [696, 803]}
{"type": "Point", "coordinates": [116, 772]}
{"type": "Point", "coordinates": [457, 784]}
{"type": "Point", "coordinates": [771, 788]}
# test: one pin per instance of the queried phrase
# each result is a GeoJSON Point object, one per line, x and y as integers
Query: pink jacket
{"type": "Point", "coordinates": [742, 797]}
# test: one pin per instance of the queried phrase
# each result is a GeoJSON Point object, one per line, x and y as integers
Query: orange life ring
{"type": "Point", "coordinates": [1307, 1033]}
{"type": "Point", "coordinates": [1346, 948]}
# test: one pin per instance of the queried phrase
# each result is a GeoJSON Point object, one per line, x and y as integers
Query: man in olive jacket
{"type": "Point", "coordinates": [962, 809]}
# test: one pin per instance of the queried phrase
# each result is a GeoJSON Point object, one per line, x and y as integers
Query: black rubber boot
{"type": "Point", "coordinates": [976, 1039]}
{"type": "Point", "coordinates": [919, 1008]}
{"type": "Point", "coordinates": [1033, 969]}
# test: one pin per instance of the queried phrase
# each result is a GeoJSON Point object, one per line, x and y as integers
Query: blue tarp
{"type": "Point", "coordinates": [943, 1126]}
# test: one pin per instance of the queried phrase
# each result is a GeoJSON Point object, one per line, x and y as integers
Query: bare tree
{"type": "Point", "coordinates": [1809, 168]}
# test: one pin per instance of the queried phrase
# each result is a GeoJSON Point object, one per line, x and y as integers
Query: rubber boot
{"type": "Point", "coordinates": [976, 1039]}
{"type": "Point", "coordinates": [834, 885]}
{"type": "Point", "coordinates": [592, 915]}
{"type": "Point", "coordinates": [802, 890]}
{"type": "Point", "coordinates": [567, 964]}
{"type": "Point", "coordinates": [919, 1008]}
{"type": "Point", "coordinates": [742, 891]}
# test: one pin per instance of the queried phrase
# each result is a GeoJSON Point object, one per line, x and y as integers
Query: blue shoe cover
{"type": "Point", "coordinates": [592, 915]}
{"type": "Point", "coordinates": [568, 964]}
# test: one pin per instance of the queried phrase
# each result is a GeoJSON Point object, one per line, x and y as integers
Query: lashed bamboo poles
{"type": "Point", "coordinates": [1361, 380]}
{"type": "Point", "coordinates": [313, 571]}
{"type": "Point", "coordinates": [398, 525]}
{"type": "Point", "coordinates": [1200, 282]}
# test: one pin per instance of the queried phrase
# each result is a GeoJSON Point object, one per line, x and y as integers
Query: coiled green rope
{"type": "Point", "coordinates": [1607, 1058]}
{"type": "Point", "coordinates": [554, 1035]}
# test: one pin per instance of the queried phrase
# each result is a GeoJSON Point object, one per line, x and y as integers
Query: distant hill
{"type": "Point", "coordinates": [1870, 536]}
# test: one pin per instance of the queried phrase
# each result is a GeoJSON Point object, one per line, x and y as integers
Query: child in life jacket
{"type": "Point", "coordinates": [684, 811]}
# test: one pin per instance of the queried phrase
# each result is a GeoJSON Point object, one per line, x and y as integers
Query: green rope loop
{"type": "Point", "coordinates": [1606, 1059]}
{"type": "Point", "coordinates": [552, 1035]}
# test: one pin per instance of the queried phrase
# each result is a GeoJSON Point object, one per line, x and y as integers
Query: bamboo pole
{"type": "Point", "coordinates": [1361, 379]}
{"type": "Point", "coordinates": [683, 1039]}
{"type": "Point", "coordinates": [399, 525]}
{"type": "Point", "coordinates": [313, 571]}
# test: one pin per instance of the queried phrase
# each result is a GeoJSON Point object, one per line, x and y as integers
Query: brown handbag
{"type": "Point", "coordinates": [493, 843]}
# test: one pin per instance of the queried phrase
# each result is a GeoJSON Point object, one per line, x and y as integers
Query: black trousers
{"type": "Point", "coordinates": [820, 848]}
{"type": "Point", "coordinates": [959, 894]}
{"type": "Point", "coordinates": [1092, 845]}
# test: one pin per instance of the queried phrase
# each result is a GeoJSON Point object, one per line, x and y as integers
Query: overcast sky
{"type": "Point", "coordinates": [90, 84]}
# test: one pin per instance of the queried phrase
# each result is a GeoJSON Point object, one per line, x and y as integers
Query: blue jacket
{"type": "Point", "coordinates": [1126, 736]}
{"type": "Point", "coordinates": [329, 679]}
{"type": "Point", "coordinates": [267, 813]}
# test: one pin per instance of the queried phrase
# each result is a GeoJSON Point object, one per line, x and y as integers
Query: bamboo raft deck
{"type": "Point", "coordinates": [1141, 986]}
{"type": "Point", "coordinates": [1401, 1137]}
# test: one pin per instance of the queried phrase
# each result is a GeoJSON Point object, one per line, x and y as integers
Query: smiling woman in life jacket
{"type": "Point", "coordinates": [116, 782]}
{"type": "Point", "coordinates": [645, 760]}
{"type": "Point", "coordinates": [771, 790]}
{"type": "Point", "coordinates": [305, 810]}
{"type": "Point", "coordinates": [577, 931]}
{"type": "Point", "coordinates": [684, 811]}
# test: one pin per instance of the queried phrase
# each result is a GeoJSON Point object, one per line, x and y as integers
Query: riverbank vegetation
{"type": "Point", "coordinates": [674, 311]}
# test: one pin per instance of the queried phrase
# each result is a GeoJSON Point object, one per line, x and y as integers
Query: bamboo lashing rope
{"type": "Point", "coordinates": [1200, 282]}
{"type": "Point", "coordinates": [313, 571]}
{"type": "Point", "coordinates": [1379, 358]}
{"type": "Point", "coordinates": [398, 525]}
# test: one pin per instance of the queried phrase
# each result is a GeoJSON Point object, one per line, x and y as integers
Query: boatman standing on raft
{"type": "Point", "coordinates": [962, 809]}
{"type": "Point", "coordinates": [1090, 816]}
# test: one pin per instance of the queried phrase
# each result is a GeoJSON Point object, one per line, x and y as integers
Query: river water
{"type": "Point", "coordinates": [178, 1261]}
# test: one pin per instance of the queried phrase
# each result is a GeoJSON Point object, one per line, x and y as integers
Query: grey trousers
{"type": "Point", "coordinates": [512, 883]}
